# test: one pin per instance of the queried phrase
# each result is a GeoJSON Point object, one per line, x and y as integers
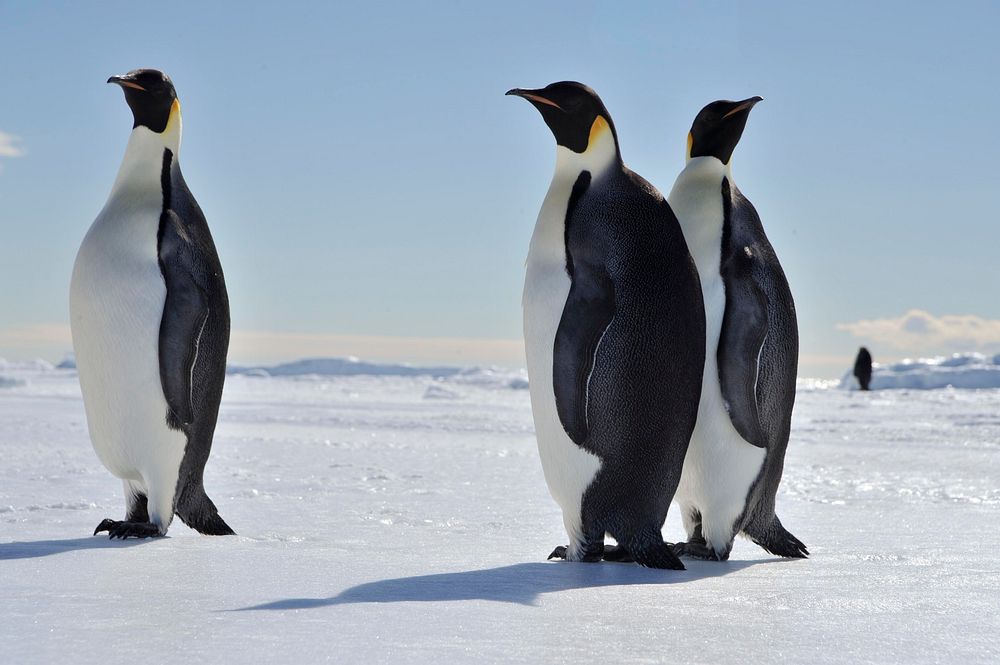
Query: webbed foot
{"type": "Point", "coordinates": [557, 553]}
{"type": "Point", "coordinates": [124, 530]}
{"type": "Point", "coordinates": [698, 550]}
{"type": "Point", "coordinates": [618, 554]}
{"type": "Point", "coordinates": [590, 556]}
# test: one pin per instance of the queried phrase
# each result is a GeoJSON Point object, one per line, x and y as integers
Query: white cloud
{"type": "Point", "coordinates": [920, 331]}
{"type": "Point", "coordinates": [9, 147]}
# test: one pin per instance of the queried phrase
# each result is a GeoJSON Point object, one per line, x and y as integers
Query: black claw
{"type": "Point", "coordinates": [558, 553]}
{"type": "Point", "coordinates": [105, 525]}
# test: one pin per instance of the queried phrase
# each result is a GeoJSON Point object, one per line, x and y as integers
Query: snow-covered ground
{"type": "Point", "coordinates": [404, 519]}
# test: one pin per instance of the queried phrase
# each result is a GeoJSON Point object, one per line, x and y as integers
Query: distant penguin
{"type": "Point", "coordinates": [863, 368]}
{"type": "Point", "coordinates": [734, 463]}
{"type": "Point", "coordinates": [150, 321]}
{"type": "Point", "coordinates": [614, 335]}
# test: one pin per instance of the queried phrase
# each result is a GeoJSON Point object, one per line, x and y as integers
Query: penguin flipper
{"type": "Point", "coordinates": [589, 311]}
{"type": "Point", "coordinates": [744, 329]}
{"type": "Point", "coordinates": [744, 323]}
{"type": "Point", "coordinates": [185, 312]}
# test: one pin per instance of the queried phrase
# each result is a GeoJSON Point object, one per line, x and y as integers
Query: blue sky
{"type": "Point", "coordinates": [372, 191]}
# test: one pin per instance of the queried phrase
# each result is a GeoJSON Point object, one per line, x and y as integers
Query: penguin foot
{"type": "Point", "coordinates": [618, 554]}
{"type": "Point", "coordinates": [560, 553]}
{"type": "Point", "coordinates": [124, 530]}
{"type": "Point", "coordinates": [698, 550]}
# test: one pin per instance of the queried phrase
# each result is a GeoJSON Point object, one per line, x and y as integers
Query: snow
{"type": "Point", "coordinates": [404, 519]}
{"type": "Point", "coordinates": [960, 370]}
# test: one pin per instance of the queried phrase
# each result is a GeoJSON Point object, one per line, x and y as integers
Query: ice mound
{"type": "Point", "coordinates": [343, 367]}
{"type": "Point", "coordinates": [36, 365]}
{"type": "Point", "coordinates": [439, 392]}
{"type": "Point", "coordinates": [960, 370]}
{"type": "Point", "coordinates": [492, 377]}
{"type": "Point", "coordinates": [483, 377]}
{"type": "Point", "coordinates": [10, 382]}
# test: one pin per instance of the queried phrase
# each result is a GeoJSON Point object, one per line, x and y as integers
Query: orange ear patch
{"type": "Point", "coordinates": [175, 114]}
{"type": "Point", "coordinates": [599, 127]}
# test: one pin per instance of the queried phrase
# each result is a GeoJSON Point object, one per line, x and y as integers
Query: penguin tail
{"type": "Point", "coordinates": [197, 511]}
{"type": "Point", "coordinates": [774, 538]}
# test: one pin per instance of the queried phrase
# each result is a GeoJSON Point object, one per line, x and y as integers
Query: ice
{"type": "Point", "coordinates": [960, 370]}
{"type": "Point", "coordinates": [378, 524]}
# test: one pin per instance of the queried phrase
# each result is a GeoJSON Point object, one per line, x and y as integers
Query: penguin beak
{"type": "Point", "coordinates": [745, 104]}
{"type": "Point", "coordinates": [532, 96]}
{"type": "Point", "coordinates": [125, 82]}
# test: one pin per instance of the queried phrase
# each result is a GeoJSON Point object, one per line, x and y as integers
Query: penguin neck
{"type": "Point", "coordinates": [548, 242]}
{"type": "Point", "coordinates": [707, 168]}
{"type": "Point", "coordinates": [696, 200]}
{"type": "Point", "coordinates": [697, 196]}
{"type": "Point", "coordinates": [142, 165]}
{"type": "Point", "coordinates": [601, 154]}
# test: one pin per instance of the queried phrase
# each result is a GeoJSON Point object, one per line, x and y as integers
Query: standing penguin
{"type": "Point", "coordinates": [614, 335]}
{"type": "Point", "coordinates": [863, 368]}
{"type": "Point", "coordinates": [734, 463]}
{"type": "Point", "coordinates": [150, 321]}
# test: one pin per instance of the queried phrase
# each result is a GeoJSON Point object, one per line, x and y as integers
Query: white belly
{"type": "Point", "coordinates": [116, 304]}
{"type": "Point", "coordinates": [568, 468]}
{"type": "Point", "coordinates": [720, 465]}
{"type": "Point", "coordinates": [719, 468]}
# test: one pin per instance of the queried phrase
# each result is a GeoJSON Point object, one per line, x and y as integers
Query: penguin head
{"type": "Point", "coordinates": [573, 111]}
{"type": "Point", "coordinates": [718, 127]}
{"type": "Point", "coordinates": [151, 96]}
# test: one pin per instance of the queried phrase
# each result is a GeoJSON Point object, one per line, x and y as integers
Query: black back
{"type": "Point", "coordinates": [759, 346]}
{"type": "Point", "coordinates": [629, 352]}
{"type": "Point", "coordinates": [194, 340]}
{"type": "Point", "coordinates": [863, 368]}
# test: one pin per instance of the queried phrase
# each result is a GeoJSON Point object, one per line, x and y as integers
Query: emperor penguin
{"type": "Point", "coordinates": [614, 335]}
{"type": "Point", "coordinates": [150, 321]}
{"type": "Point", "coordinates": [734, 462]}
{"type": "Point", "coordinates": [863, 368]}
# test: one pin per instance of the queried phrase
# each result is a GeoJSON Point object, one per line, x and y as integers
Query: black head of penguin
{"type": "Point", "coordinates": [718, 128]}
{"type": "Point", "coordinates": [570, 109]}
{"type": "Point", "coordinates": [150, 94]}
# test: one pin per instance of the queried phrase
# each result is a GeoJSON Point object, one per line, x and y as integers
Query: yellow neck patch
{"type": "Point", "coordinates": [690, 144]}
{"type": "Point", "coordinates": [596, 130]}
{"type": "Point", "coordinates": [175, 116]}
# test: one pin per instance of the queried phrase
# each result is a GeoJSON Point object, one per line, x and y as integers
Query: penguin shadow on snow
{"type": "Point", "coordinates": [32, 549]}
{"type": "Point", "coordinates": [520, 583]}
